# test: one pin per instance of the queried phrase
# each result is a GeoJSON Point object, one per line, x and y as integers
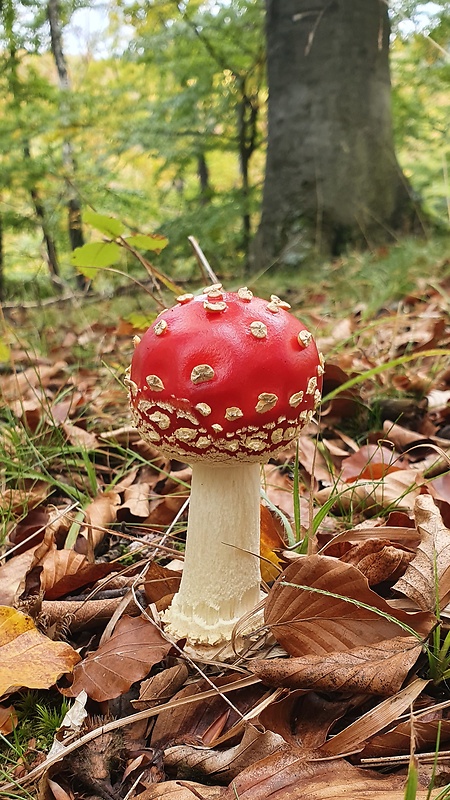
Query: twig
{"type": "Point", "coordinates": [202, 260]}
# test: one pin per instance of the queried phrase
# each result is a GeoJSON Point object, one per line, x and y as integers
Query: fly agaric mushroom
{"type": "Point", "coordinates": [223, 381]}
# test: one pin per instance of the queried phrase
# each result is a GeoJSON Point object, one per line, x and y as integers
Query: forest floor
{"type": "Point", "coordinates": [357, 520]}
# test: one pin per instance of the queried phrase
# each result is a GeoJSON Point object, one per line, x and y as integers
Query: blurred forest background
{"type": "Point", "coordinates": [156, 113]}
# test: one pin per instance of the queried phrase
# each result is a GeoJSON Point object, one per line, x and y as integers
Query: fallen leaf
{"type": "Point", "coordinates": [8, 719]}
{"type": "Point", "coordinates": [160, 582]}
{"type": "Point", "coordinates": [371, 462]}
{"type": "Point", "coordinates": [339, 615]}
{"type": "Point", "coordinates": [374, 670]}
{"type": "Point", "coordinates": [181, 790]}
{"type": "Point", "coordinates": [427, 577]}
{"type": "Point", "coordinates": [222, 764]}
{"type": "Point", "coordinates": [377, 560]}
{"type": "Point", "coordinates": [135, 646]}
{"type": "Point", "coordinates": [11, 576]}
{"type": "Point", "coordinates": [78, 437]}
{"type": "Point", "coordinates": [161, 687]}
{"type": "Point", "coordinates": [293, 773]}
{"type": "Point", "coordinates": [27, 657]}
{"type": "Point", "coordinates": [353, 738]}
{"type": "Point", "coordinates": [136, 501]}
{"type": "Point", "coordinates": [270, 541]}
{"type": "Point", "coordinates": [98, 515]}
{"type": "Point", "coordinates": [192, 721]}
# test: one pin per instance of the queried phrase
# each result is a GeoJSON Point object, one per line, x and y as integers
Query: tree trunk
{"type": "Point", "coordinates": [247, 119]}
{"type": "Point", "coordinates": [14, 86]}
{"type": "Point", "coordinates": [332, 178]}
{"type": "Point", "coordinates": [203, 179]}
{"type": "Point", "coordinates": [50, 246]}
{"type": "Point", "coordinates": [73, 204]}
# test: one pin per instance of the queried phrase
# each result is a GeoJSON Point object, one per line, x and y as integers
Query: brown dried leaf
{"type": "Point", "coordinates": [307, 622]}
{"type": "Point", "coordinates": [271, 540]}
{"type": "Point", "coordinates": [11, 576]}
{"type": "Point", "coordinates": [180, 790]}
{"type": "Point", "coordinates": [293, 773]}
{"type": "Point", "coordinates": [78, 437]}
{"type": "Point", "coordinates": [371, 462]}
{"type": "Point", "coordinates": [98, 515]}
{"type": "Point", "coordinates": [278, 487]}
{"type": "Point", "coordinates": [398, 740]}
{"type": "Point", "coordinates": [377, 561]}
{"type": "Point", "coordinates": [8, 719]}
{"type": "Point", "coordinates": [223, 764]}
{"type": "Point", "coordinates": [378, 670]}
{"type": "Point", "coordinates": [135, 646]}
{"type": "Point", "coordinates": [398, 489]}
{"type": "Point", "coordinates": [27, 657]}
{"type": "Point", "coordinates": [160, 582]}
{"type": "Point", "coordinates": [428, 574]}
{"type": "Point", "coordinates": [17, 501]}
{"type": "Point", "coordinates": [161, 687]}
{"type": "Point", "coordinates": [59, 572]}
{"type": "Point", "coordinates": [353, 738]}
{"type": "Point", "coordinates": [190, 722]}
{"type": "Point", "coordinates": [136, 500]}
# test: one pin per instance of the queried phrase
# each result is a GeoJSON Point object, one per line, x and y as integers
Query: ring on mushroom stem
{"type": "Point", "coordinates": [223, 381]}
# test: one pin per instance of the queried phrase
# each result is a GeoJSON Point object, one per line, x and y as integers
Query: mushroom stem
{"type": "Point", "coordinates": [221, 581]}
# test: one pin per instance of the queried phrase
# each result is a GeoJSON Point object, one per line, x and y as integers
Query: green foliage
{"type": "Point", "coordinates": [100, 254]}
{"type": "Point", "coordinates": [108, 225]}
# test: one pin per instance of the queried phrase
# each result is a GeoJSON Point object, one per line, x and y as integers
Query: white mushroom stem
{"type": "Point", "coordinates": [221, 581]}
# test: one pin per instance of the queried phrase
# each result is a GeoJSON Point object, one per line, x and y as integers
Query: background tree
{"type": "Point", "coordinates": [332, 177]}
{"type": "Point", "coordinates": [209, 59]}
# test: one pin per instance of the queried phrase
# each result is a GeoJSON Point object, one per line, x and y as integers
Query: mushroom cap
{"type": "Point", "coordinates": [224, 376]}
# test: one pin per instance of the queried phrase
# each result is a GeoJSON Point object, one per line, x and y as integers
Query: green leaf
{"type": "Point", "coordinates": [5, 352]}
{"type": "Point", "coordinates": [94, 255]}
{"type": "Point", "coordinates": [140, 321]}
{"type": "Point", "coordinates": [107, 225]}
{"type": "Point", "coordinates": [147, 242]}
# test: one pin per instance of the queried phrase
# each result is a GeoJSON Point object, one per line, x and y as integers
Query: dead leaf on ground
{"type": "Point", "coordinates": [398, 740]}
{"type": "Point", "coordinates": [377, 669]}
{"type": "Point", "coordinates": [79, 437]}
{"type": "Point", "coordinates": [160, 688]}
{"type": "Point", "coordinates": [377, 560]}
{"type": "Point", "coordinates": [222, 764]}
{"type": "Point", "coordinates": [8, 719]}
{"type": "Point", "coordinates": [427, 578]}
{"type": "Point", "coordinates": [397, 489]}
{"type": "Point", "coordinates": [271, 543]}
{"type": "Point", "coordinates": [27, 657]}
{"type": "Point", "coordinates": [11, 576]}
{"type": "Point", "coordinates": [160, 582]}
{"type": "Point", "coordinates": [181, 790]}
{"type": "Point", "coordinates": [292, 773]}
{"type": "Point", "coordinates": [371, 462]}
{"type": "Point", "coordinates": [99, 514]}
{"type": "Point", "coordinates": [352, 739]}
{"type": "Point", "coordinates": [203, 722]}
{"type": "Point", "coordinates": [135, 646]}
{"type": "Point", "coordinates": [309, 622]}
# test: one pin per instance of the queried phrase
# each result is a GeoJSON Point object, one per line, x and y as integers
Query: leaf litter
{"type": "Point", "coordinates": [335, 685]}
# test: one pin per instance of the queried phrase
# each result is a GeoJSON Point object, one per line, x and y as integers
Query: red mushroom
{"type": "Point", "coordinates": [224, 381]}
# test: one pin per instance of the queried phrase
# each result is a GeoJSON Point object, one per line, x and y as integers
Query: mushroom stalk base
{"type": "Point", "coordinates": [221, 573]}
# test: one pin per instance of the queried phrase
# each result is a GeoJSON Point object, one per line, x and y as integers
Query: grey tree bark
{"type": "Point", "coordinates": [332, 177]}
{"type": "Point", "coordinates": [73, 203]}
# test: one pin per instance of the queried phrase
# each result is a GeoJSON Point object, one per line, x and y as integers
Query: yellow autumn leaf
{"type": "Point", "coordinates": [27, 657]}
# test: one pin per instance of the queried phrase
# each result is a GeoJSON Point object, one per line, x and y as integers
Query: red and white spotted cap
{"type": "Point", "coordinates": [224, 376]}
